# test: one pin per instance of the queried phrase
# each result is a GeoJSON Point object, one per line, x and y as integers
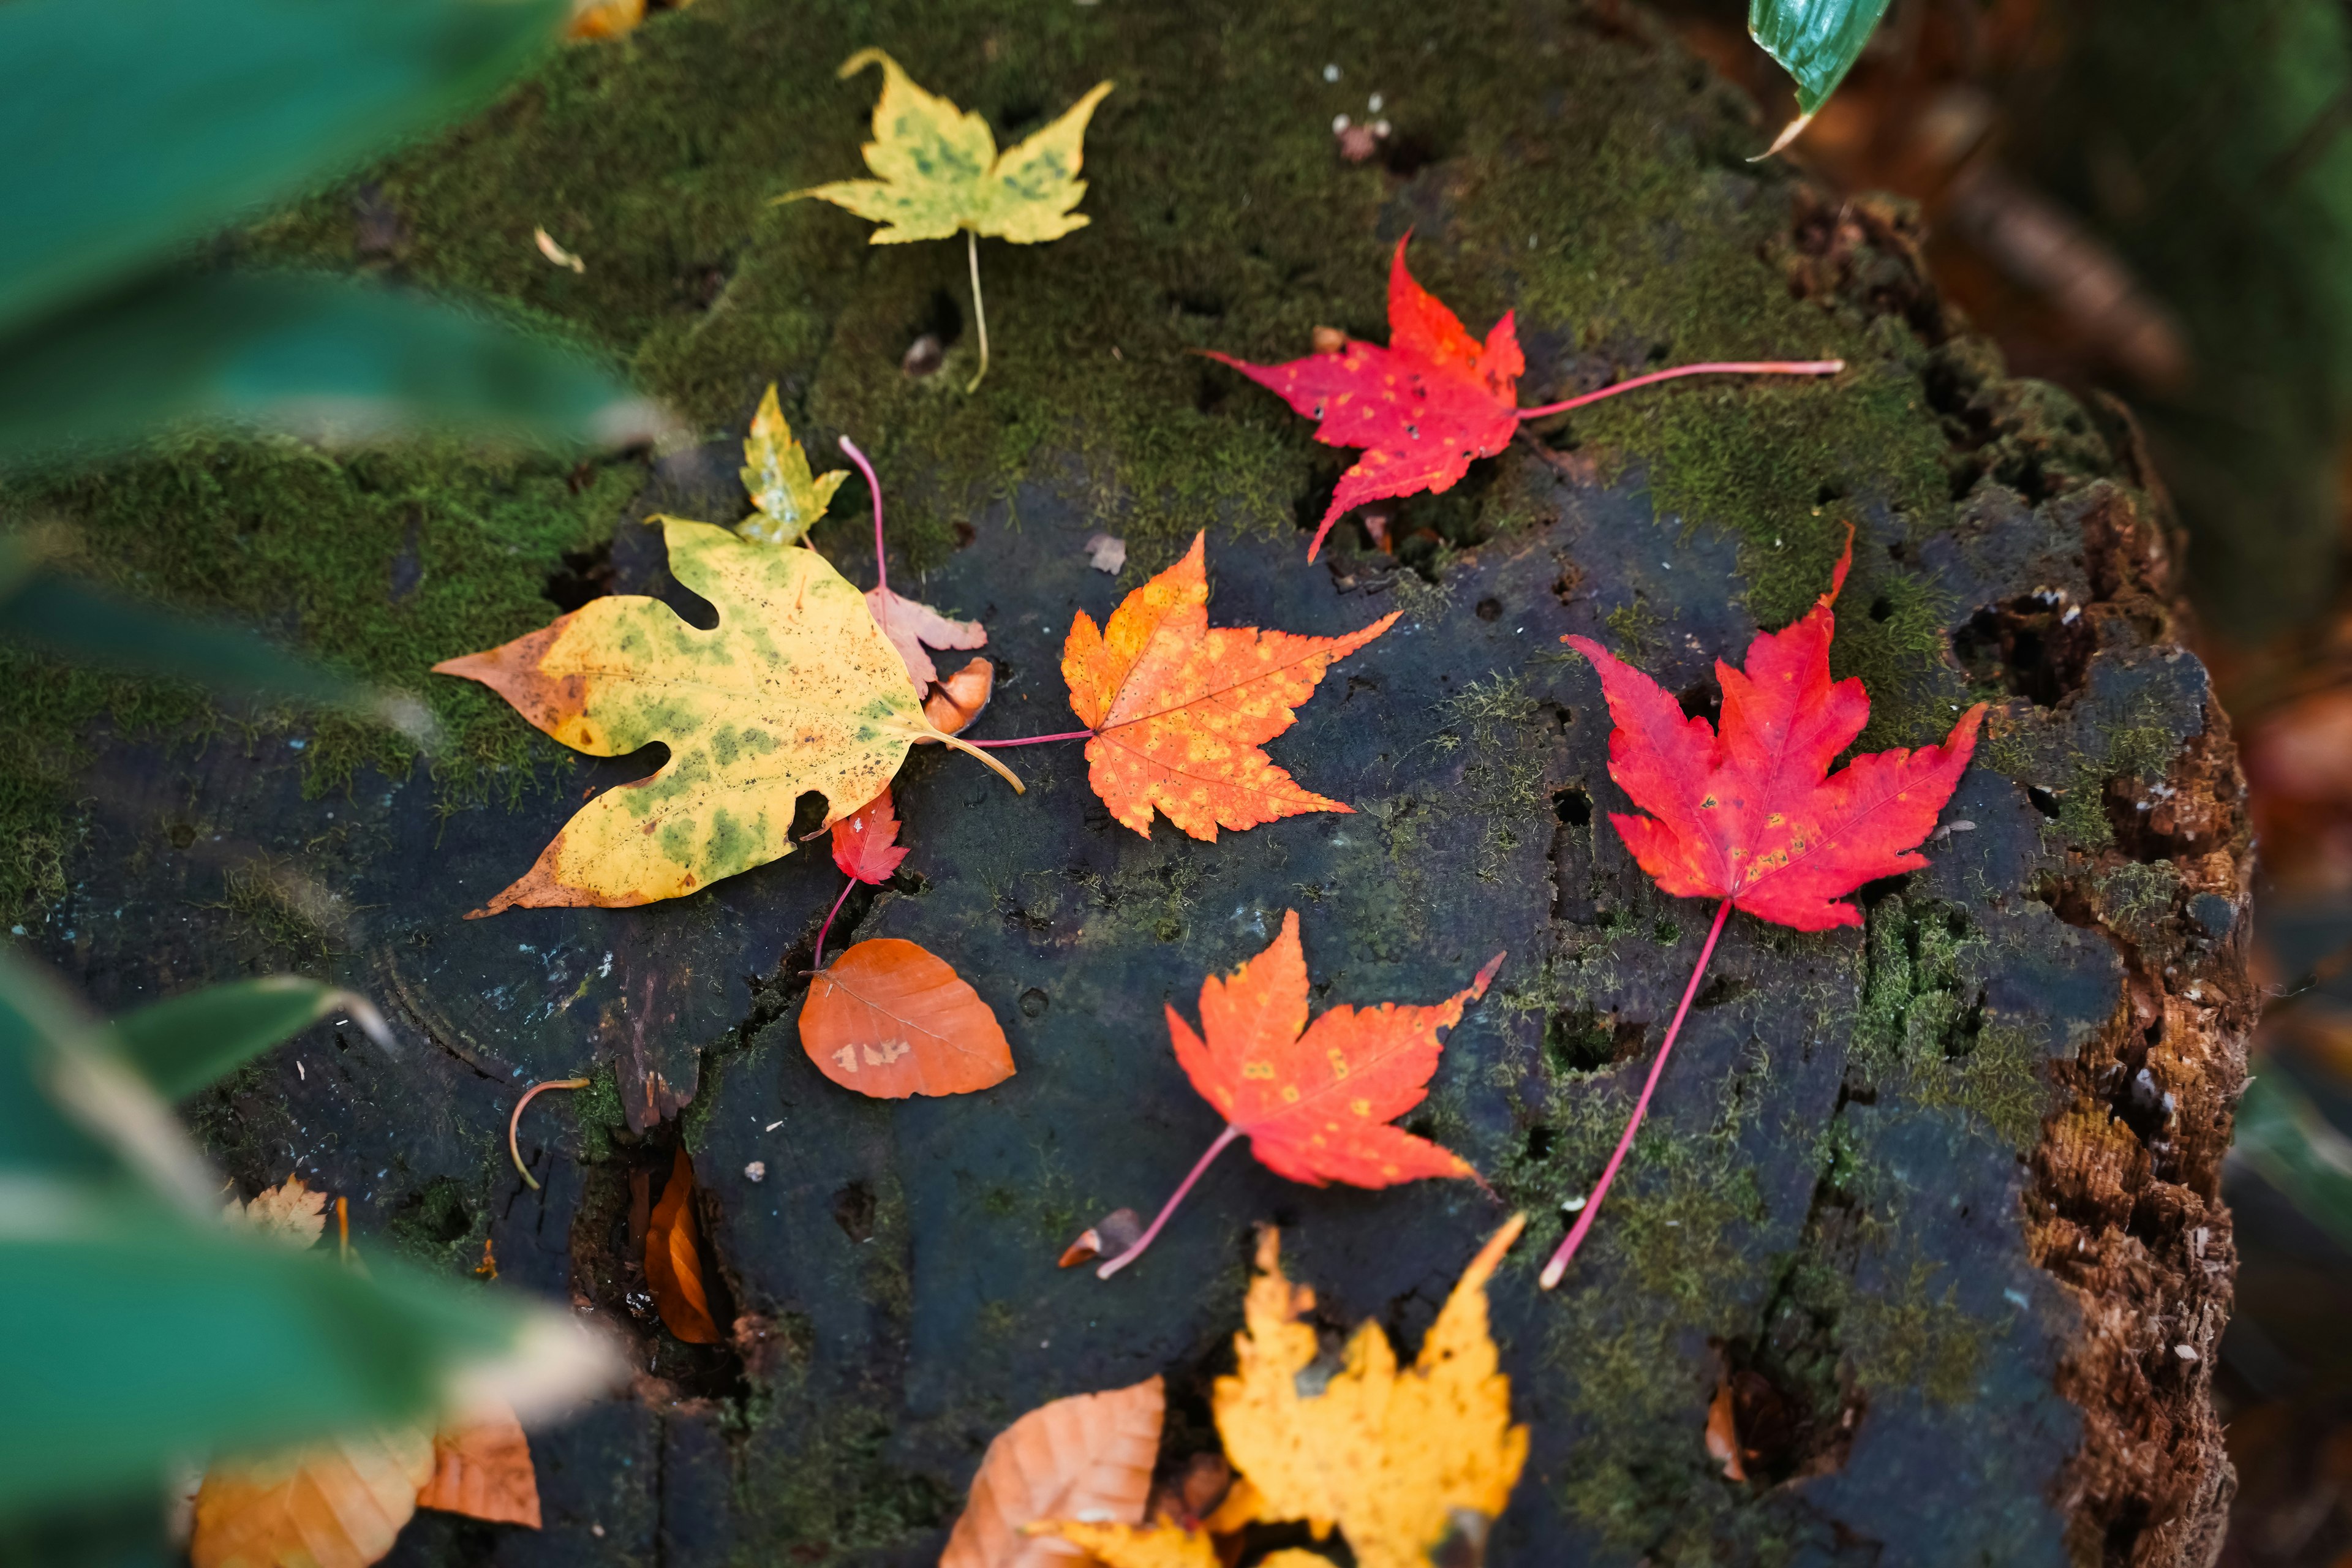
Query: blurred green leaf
{"type": "Point", "coordinates": [36, 1014]}
{"type": "Point", "coordinates": [135, 1337]}
{"type": "Point", "coordinates": [1815, 41]}
{"type": "Point", "coordinates": [186, 1043]}
{"type": "Point", "coordinates": [318, 355]}
{"type": "Point", "coordinates": [114, 1533]}
{"type": "Point", "coordinates": [137, 124]}
{"type": "Point", "coordinates": [2286, 1142]}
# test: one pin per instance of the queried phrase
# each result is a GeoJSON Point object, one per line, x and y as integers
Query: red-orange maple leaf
{"type": "Point", "coordinates": [866, 843]}
{"type": "Point", "coordinates": [1314, 1099]}
{"type": "Point", "coordinates": [1753, 815]}
{"type": "Point", "coordinates": [1433, 402]}
{"type": "Point", "coordinates": [1177, 712]}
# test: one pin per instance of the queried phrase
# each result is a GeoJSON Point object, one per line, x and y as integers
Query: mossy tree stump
{"type": "Point", "coordinates": [1938, 1199]}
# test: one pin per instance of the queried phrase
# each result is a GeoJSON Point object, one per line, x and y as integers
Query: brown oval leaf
{"type": "Point", "coordinates": [334, 1504]}
{"type": "Point", "coordinates": [673, 1263]}
{"type": "Point", "coordinates": [890, 1019]}
{"type": "Point", "coordinates": [957, 700]}
{"type": "Point", "coordinates": [1087, 1457]}
{"type": "Point", "coordinates": [483, 1469]}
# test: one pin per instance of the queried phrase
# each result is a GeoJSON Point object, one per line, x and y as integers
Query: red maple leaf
{"type": "Point", "coordinates": [1433, 402]}
{"type": "Point", "coordinates": [1753, 815]}
{"type": "Point", "coordinates": [866, 843]}
{"type": "Point", "coordinates": [1315, 1100]}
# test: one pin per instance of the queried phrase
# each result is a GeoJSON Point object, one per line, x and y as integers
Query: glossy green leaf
{"type": "Point", "coordinates": [35, 1015]}
{"type": "Point", "coordinates": [184, 1043]}
{"type": "Point", "coordinates": [1815, 41]}
{"type": "Point", "coordinates": [137, 124]}
{"type": "Point", "coordinates": [2283, 1137]}
{"type": "Point", "coordinates": [158, 1337]}
{"type": "Point", "coordinates": [316, 356]}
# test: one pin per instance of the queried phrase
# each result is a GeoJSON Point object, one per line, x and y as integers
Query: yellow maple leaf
{"type": "Point", "coordinates": [939, 171]}
{"type": "Point", "coordinates": [794, 689]}
{"type": "Point", "coordinates": [788, 497]}
{"type": "Point", "coordinates": [1158, 1545]}
{"type": "Point", "coordinates": [1390, 1457]}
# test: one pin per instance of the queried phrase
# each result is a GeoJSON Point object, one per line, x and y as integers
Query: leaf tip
{"type": "Point", "coordinates": [1788, 133]}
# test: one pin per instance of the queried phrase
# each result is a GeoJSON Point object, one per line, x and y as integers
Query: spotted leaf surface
{"type": "Point", "coordinates": [1753, 813]}
{"type": "Point", "coordinates": [1180, 712]}
{"type": "Point", "coordinates": [1423, 408]}
{"type": "Point", "coordinates": [1316, 1099]}
{"type": "Point", "coordinates": [787, 498]}
{"type": "Point", "coordinates": [795, 689]}
{"type": "Point", "coordinates": [938, 170]}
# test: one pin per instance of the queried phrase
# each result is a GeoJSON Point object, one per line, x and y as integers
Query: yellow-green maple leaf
{"type": "Point", "coordinates": [1389, 1454]}
{"type": "Point", "coordinates": [939, 169]}
{"type": "Point", "coordinates": [789, 499]}
{"type": "Point", "coordinates": [795, 689]}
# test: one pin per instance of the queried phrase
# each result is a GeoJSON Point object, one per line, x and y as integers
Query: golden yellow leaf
{"type": "Point", "coordinates": [939, 171]}
{"type": "Point", "coordinates": [1159, 1545]}
{"type": "Point", "coordinates": [795, 689]}
{"type": "Point", "coordinates": [483, 1469]}
{"type": "Point", "coordinates": [1296, 1557]}
{"type": "Point", "coordinates": [1387, 1456]}
{"type": "Point", "coordinates": [333, 1504]}
{"type": "Point", "coordinates": [1089, 1454]}
{"type": "Point", "coordinates": [288, 1212]}
{"type": "Point", "coordinates": [603, 18]}
{"type": "Point", "coordinates": [788, 497]}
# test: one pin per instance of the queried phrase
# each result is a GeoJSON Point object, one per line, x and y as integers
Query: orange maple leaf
{"type": "Point", "coordinates": [1314, 1099]}
{"type": "Point", "coordinates": [1177, 713]}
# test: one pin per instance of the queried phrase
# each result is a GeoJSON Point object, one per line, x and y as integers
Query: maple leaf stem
{"type": "Point", "coordinates": [1040, 740]}
{"type": "Point", "coordinates": [816, 962]}
{"type": "Point", "coordinates": [874, 488]}
{"type": "Point", "coordinates": [1722, 367]}
{"type": "Point", "coordinates": [1558, 1265]}
{"type": "Point", "coordinates": [962, 744]}
{"type": "Point", "coordinates": [1132, 1253]}
{"type": "Point", "coordinates": [978, 309]}
{"type": "Point", "coordinates": [515, 1121]}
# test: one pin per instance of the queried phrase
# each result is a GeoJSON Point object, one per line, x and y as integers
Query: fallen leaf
{"type": "Point", "coordinates": [1086, 1455]}
{"type": "Point", "coordinates": [865, 842]}
{"type": "Point", "coordinates": [955, 702]}
{"type": "Point", "coordinates": [1433, 402]}
{"type": "Point", "coordinates": [603, 18]}
{"type": "Point", "coordinates": [674, 1263]}
{"type": "Point", "coordinates": [1104, 553]}
{"type": "Point", "coordinates": [338, 1503]}
{"type": "Point", "coordinates": [288, 1212]}
{"type": "Point", "coordinates": [1723, 1433]}
{"type": "Point", "coordinates": [1161, 1544]}
{"type": "Point", "coordinates": [939, 170]}
{"type": "Point", "coordinates": [1179, 712]}
{"type": "Point", "coordinates": [1388, 1455]}
{"type": "Point", "coordinates": [1113, 1234]}
{"type": "Point", "coordinates": [1753, 815]}
{"type": "Point", "coordinates": [1314, 1099]}
{"type": "Point", "coordinates": [794, 689]}
{"type": "Point", "coordinates": [910, 625]}
{"type": "Point", "coordinates": [787, 498]}
{"type": "Point", "coordinates": [889, 1019]}
{"type": "Point", "coordinates": [556, 253]}
{"type": "Point", "coordinates": [483, 1469]}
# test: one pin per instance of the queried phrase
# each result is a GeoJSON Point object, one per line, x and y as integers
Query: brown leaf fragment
{"type": "Point", "coordinates": [958, 699]}
{"type": "Point", "coordinates": [483, 1469]}
{"type": "Point", "coordinates": [912, 625]}
{"type": "Point", "coordinates": [1088, 1456]}
{"type": "Point", "coordinates": [1108, 1236]}
{"type": "Point", "coordinates": [288, 1213]}
{"type": "Point", "coordinates": [674, 1263]}
{"type": "Point", "coordinates": [1104, 553]}
{"type": "Point", "coordinates": [1723, 1433]}
{"type": "Point", "coordinates": [339, 1503]}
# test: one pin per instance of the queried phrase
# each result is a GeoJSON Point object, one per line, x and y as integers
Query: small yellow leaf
{"type": "Point", "coordinates": [789, 498]}
{"type": "Point", "coordinates": [939, 171]}
{"type": "Point", "coordinates": [1388, 1455]}
{"type": "Point", "coordinates": [288, 1212]}
{"type": "Point", "coordinates": [334, 1504]}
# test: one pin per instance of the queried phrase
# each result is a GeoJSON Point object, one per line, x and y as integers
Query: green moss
{"type": "Point", "coordinates": [1912, 1337]}
{"type": "Point", "coordinates": [597, 1113]}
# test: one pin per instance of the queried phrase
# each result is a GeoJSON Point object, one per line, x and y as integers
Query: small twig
{"type": "Point", "coordinates": [515, 1121]}
{"type": "Point", "coordinates": [978, 309]}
